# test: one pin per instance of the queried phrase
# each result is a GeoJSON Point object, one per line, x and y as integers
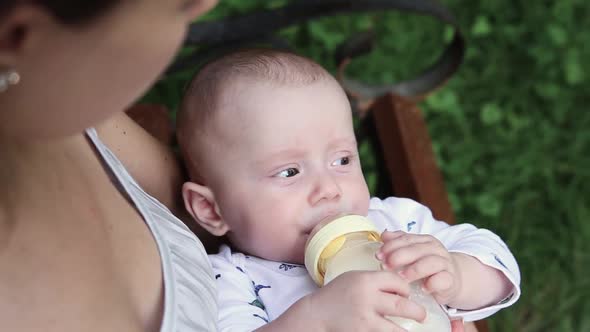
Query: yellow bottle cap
{"type": "Point", "coordinates": [322, 244]}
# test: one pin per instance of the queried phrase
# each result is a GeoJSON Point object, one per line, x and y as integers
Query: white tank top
{"type": "Point", "coordinates": [189, 287]}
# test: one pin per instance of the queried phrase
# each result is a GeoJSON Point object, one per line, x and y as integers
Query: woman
{"type": "Point", "coordinates": [75, 252]}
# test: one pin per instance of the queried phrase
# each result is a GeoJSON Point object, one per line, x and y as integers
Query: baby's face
{"type": "Point", "coordinates": [286, 159]}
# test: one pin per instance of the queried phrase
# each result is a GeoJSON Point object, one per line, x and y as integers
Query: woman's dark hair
{"type": "Point", "coordinates": [66, 11]}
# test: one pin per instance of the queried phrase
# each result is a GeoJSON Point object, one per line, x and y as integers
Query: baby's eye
{"type": "Point", "coordinates": [342, 161]}
{"type": "Point", "coordinates": [287, 173]}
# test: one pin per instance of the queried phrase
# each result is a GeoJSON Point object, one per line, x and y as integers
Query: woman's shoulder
{"type": "Point", "coordinates": [136, 148]}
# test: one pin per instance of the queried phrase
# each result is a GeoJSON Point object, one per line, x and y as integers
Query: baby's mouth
{"type": "Point", "coordinates": [322, 221]}
{"type": "Point", "coordinates": [329, 217]}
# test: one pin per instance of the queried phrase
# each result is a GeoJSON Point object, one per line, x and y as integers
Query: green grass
{"type": "Point", "coordinates": [510, 131]}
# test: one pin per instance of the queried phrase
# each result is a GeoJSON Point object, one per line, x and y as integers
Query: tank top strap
{"type": "Point", "coordinates": [189, 286]}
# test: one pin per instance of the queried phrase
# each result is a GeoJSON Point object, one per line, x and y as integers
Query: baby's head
{"type": "Point", "coordinates": [269, 144]}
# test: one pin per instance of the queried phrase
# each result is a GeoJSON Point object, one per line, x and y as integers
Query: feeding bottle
{"type": "Point", "coordinates": [349, 243]}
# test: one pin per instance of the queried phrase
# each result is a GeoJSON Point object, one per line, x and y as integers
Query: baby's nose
{"type": "Point", "coordinates": [325, 189]}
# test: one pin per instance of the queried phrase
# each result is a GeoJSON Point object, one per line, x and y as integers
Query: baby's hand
{"type": "Point", "coordinates": [360, 301]}
{"type": "Point", "coordinates": [422, 257]}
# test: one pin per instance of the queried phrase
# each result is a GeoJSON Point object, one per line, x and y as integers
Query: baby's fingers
{"type": "Point", "coordinates": [410, 254]}
{"type": "Point", "coordinates": [424, 267]}
{"type": "Point", "coordinates": [397, 306]}
{"type": "Point", "coordinates": [390, 282]}
{"type": "Point", "coordinates": [388, 235]}
{"type": "Point", "coordinates": [440, 285]}
{"type": "Point", "coordinates": [400, 240]}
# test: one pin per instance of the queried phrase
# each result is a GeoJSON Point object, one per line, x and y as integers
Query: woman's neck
{"type": "Point", "coordinates": [35, 176]}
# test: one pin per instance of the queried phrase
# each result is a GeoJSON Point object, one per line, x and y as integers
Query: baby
{"type": "Point", "coordinates": [270, 149]}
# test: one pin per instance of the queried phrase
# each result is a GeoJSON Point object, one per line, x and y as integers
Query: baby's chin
{"type": "Point", "coordinates": [286, 258]}
{"type": "Point", "coordinates": [290, 257]}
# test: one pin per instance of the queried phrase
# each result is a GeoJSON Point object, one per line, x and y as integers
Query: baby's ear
{"type": "Point", "coordinates": [200, 203]}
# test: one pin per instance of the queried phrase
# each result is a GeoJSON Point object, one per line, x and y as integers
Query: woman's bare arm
{"type": "Point", "coordinates": [153, 165]}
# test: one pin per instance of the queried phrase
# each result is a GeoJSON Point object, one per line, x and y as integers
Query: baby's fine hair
{"type": "Point", "coordinates": [209, 89]}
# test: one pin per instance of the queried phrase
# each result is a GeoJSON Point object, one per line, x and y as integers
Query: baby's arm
{"type": "Point", "coordinates": [453, 278]}
{"type": "Point", "coordinates": [491, 284]}
{"type": "Point", "coordinates": [336, 307]}
{"type": "Point", "coordinates": [467, 268]}
{"type": "Point", "coordinates": [487, 268]}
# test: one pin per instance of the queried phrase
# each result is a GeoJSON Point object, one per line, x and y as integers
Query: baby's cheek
{"type": "Point", "coordinates": [361, 202]}
{"type": "Point", "coordinates": [360, 192]}
{"type": "Point", "coordinates": [275, 241]}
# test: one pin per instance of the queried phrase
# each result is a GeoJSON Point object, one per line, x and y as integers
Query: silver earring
{"type": "Point", "coordinates": [8, 78]}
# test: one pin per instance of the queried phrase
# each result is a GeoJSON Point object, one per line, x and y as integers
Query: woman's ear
{"type": "Point", "coordinates": [18, 29]}
{"type": "Point", "coordinates": [200, 203]}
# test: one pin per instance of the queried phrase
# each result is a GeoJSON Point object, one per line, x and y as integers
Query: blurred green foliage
{"type": "Point", "coordinates": [510, 131]}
